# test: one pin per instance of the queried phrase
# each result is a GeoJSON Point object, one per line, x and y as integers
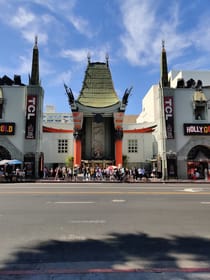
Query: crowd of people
{"type": "Point", "coordinates": [97, 173]}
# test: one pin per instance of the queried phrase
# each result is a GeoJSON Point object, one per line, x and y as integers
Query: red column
{"type": "Point", "coordinates": [77, 152]}
{"type": "Point", "coordinates": [118, 152]}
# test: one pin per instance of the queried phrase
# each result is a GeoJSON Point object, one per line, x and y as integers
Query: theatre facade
{"type": "Point", "coordinates": [21, 109]}
{"type": "Point", "coordinates": [180, 105]}
{"type": "Point", "coordinates": [98, 133]}
{"type": "Point", "coordinates": [170, 135]}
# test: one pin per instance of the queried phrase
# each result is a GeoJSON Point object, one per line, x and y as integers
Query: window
{"type": "Point", "coordinates": [62, 146]}
{"type": "Point", "coordinates": [132, 146]}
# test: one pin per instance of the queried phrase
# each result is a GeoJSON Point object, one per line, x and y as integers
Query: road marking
{"type": "Point", "coordinates": [88, 221]}
{"type": "Point", "coordinates": [192, 190]}
{"type": "Point", "coordinates": [205, 202]}
{"type": "Point", "coordinates": [73, 202]}
{"type": "Point", "coordinates": [118, 200]}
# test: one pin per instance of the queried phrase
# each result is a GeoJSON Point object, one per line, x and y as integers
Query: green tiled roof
{"type": "Point", "coordinates": [98, 90]}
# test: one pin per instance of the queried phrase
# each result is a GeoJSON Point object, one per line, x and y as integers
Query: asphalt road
{"type": "Point", "coordinates": [80, 226]}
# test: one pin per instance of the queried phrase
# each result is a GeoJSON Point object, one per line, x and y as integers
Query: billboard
{"type": "Point", "coordinates": [31, 112]}
{"type": "Point", "coordinates": [169, 116]}
{"type": "Point", "coordinates": [196, 129]}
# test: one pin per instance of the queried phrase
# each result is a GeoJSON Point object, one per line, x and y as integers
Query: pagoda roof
{"type": "Point", "coordinates": [98, 89]}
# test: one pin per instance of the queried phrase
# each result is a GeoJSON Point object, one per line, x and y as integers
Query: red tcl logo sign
{"type": "Point", "coordinates": [30, 132]}
{"type": "Point", "coordinates": [169, 116]}
{"type": "Point", "coordinates": [31, 107]}
{"type": "Point", "coordinates": [168, 107]}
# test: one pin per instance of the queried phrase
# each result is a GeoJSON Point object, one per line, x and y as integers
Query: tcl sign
{"type": "Point", "coordinates": [169, 116]}
{"type": "Point", "coordinates": [30, 132]}
{"type": "Point", "coordinates": [31, 107]}
{"type": "Point", "coordinates": [168, 102]}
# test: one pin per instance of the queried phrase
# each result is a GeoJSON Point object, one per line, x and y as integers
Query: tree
{"type": "Point", "coordinates": [69, 161]}
{"type": "Point", "coordinates": [125, 160]}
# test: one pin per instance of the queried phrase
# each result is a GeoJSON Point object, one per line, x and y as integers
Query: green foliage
{"type": "Point", "coordinates": [125, 160]}
{"type": "Point", "coordinates": [69, 161]}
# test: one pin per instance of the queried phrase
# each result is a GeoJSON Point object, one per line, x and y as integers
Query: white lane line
{"type": "Point", "coordinates": [70, 202]}
{"type": "Point", "coordinates": [205, 202]}
{"type": "Point", "coordinates": [73, 202]}
{"type": "Point", "coordinates": [118, 200]}
{"type": "Point", "coordinates": [193, 190]}
{"type": "Point", "coordinates": [88, 221]}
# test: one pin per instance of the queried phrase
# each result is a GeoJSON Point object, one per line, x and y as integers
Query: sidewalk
{"type": "Point", "coordinates": [150, 180]}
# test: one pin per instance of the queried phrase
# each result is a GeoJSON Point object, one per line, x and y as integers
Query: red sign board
{"type": "Point", "coordinates": [31, 111]}
{"type": "Point", "coordinates": [169, 116]}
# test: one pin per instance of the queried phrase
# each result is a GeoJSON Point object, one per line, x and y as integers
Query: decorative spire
{"type": "Point", "coordinates": [88, 57]}
{"type": "Point", "coordinates": [163, 45]}
{"type": "Point", "coordinates": [34, 78]}
{"type": "Point", "coordinates": [164, 68]}
{"type": "Point", "coordinates": [107, 59]}
{"type": "Point", "coordinates": [36, 42]}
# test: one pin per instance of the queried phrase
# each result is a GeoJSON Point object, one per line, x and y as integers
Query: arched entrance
{"type": "Point", "coordinates": [4, 153]}
{"type": "Point", "coordinates": [198, 162]}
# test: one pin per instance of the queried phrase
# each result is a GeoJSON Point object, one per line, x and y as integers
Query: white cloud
{"type": "Point", "coordinates": [76, 55]}
{"type": "Point", "coordinates": [64, 6]}
{"type": "Point", "coordinates": [139, 21]}
{"type": "Point", "coordinates": [22, 18]}
{"type": "Point", "coordinates": [65, 9]}
{"type": "Point", "coordinates": [79, 55]}
{"type": "Point", "coordinates": [61, 78]}
{"type": "Point", "coordinates": [26, 22]}
{"type": "Point", "coordinates": [145, 29]}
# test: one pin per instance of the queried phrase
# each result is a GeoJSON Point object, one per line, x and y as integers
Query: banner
{"type": "Point", "coordinates": [169, 116]}
{"type": "Point", "coordinates": [30, 132]}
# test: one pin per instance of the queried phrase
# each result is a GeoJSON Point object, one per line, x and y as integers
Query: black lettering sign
{"type": "Point", "coordinates": [196, 129]}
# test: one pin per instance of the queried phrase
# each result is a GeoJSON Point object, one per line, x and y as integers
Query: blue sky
{"type": "Point", "coordinates": [129, 31]}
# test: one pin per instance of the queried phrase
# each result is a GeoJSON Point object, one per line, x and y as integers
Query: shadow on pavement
{"type": "Point", "coordinates": [117, 249]}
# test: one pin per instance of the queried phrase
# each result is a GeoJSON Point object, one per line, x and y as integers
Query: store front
{"type": "Point", "coordinates": [198, 163]}
{"type": "Point", "coordinates": [4, 153]}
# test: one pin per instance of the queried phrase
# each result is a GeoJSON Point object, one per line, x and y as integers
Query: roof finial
{"type": "Point", "coordinates": [163, 44]}
{"type": "Point", "coordinates": [88, 57]}
{"type": "Point", "coordinates": [107, 58]}
{"type": "Point", "coordinates": [164, 82]}
{"type": "Point", "coordinates": [36, 40]}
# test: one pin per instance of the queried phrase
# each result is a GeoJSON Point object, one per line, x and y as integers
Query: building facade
{"type": "Point", "coordinates": [182, 114]}
{"type": "Point", "coordinates": [171, 134]}
{"type": "Point", "coordinates": [21, 116]}
{"type": "Point", "coordinates": [58, 141]}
